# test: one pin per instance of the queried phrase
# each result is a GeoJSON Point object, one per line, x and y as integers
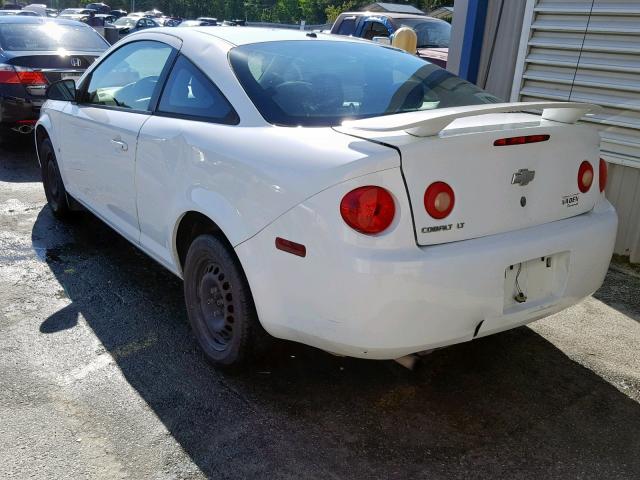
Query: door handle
{"type": "Point", "coordinates": [123, 145]}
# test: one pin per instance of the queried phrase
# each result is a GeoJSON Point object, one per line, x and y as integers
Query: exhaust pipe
{"type": "Point", "coordinates": [23, 129]}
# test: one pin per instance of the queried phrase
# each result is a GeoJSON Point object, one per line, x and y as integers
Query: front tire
{"type": "Point", "coordinates": [52, 181]}
{"type": "Point", "coordinates": [219, 303]}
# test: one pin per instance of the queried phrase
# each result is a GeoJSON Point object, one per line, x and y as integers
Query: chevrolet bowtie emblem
{"type": "Point", "coordinates": [523, 177]}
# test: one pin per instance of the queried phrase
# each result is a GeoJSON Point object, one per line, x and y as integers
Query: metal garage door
{"type": "Point", "coordinates": [587, 51]}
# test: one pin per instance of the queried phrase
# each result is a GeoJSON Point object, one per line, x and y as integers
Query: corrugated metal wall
{"type": "Point", "coordinates": [589, 51]}
{"type": "Point", "coordinates": [623, 190]}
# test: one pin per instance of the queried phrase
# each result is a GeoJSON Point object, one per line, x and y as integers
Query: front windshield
{"type": "Point", "coordinates": [69, 11]}
{"type": "Point", "coordinates": [126, 22]}
{"type": "Point", "coordinates": [50, 36]}
{"type": "Point", "coordinates": [430, 33]}
{"type": "Point", "coordinates": [323, 83]}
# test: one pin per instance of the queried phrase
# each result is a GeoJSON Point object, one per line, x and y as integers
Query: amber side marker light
{"type": "Point", "coordinates": [291, 247]}
{"type": "Point", "coordinates": [505, 142]}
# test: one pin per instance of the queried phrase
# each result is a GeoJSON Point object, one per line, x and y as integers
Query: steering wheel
{"type": "Point", "coordinates": [293, 94]}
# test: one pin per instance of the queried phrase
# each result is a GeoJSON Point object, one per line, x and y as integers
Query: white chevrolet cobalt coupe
{"type": "Point", "coordinates": [329, 190]}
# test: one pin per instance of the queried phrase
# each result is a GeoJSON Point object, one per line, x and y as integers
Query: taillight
{"type": "Point", "coordinates": [369, 210]}
{"type": "Point", "coordinates": [585, 176]}
{"type": "Point", "coordinates": [439, 200]}
{"type": "Point", "coordinates": [602, 174]}
{"type": "Point", "coordinates": [21, 75]}
{"type": "Point", "coordinates": [504, 142]}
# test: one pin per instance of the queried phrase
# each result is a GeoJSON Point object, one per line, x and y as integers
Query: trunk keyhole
{"type": "Point", "coordinates": [523, 201]}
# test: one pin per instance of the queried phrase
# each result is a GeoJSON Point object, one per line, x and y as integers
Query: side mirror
{"type": "Point", "coordinates": [382, 40]}
{"type": "Point", "coordinates": [64, 90]}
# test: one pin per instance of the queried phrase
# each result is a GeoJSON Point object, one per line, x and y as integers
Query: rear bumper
{"type": "Point", "coordinates": [385, 303]}
{"type": "Point", "coordinates": [14, 110]}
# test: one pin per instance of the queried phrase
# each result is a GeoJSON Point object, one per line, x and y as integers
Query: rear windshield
{"type": "Point", "coordinates": [322, 83]}
{"type": "Point", "coordinates": [50, 36]}
{"type": "Point", "coordinates": [431, 34]}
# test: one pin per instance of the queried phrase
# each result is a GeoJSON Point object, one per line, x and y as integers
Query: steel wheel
{"type": "Point", "coordinates": [216, 303]}
{"type": "Point", "coordinates": [52, 181]}
{"type": "Point", "coordinates": [219, 303]}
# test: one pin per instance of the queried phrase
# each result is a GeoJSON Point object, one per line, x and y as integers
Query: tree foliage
{"type": "Point", "coordinates": [314, 12]}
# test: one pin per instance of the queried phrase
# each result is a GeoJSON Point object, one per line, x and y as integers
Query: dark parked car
{"type": "Point", "coordinates": [31, 59]}
{"type": "Point", "coordinates": [118, 13]}
{"type": "Point", "coordinates": [99, 7]}
{"type": "Point", "coordinates": [433, 34]}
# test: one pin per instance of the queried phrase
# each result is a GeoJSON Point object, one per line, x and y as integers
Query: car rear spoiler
{"type": "Point", "coordinates": [426, 123]}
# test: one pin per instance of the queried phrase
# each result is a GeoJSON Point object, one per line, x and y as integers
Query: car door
{"type": "Point", "coordinates": [101, 131]}
{"type": "Point", "coordinates": [181, 145]}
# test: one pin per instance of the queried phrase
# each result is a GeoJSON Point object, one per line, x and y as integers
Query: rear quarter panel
{"type": "Point", "coordinates": [242, 178]}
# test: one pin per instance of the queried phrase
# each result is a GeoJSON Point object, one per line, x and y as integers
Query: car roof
{"type": "Point", "coordinates": [393, 15]}
{"type": "Point", "coordinates": [30, 19]}
{"type": "Point", "coordinates": [246, 35]}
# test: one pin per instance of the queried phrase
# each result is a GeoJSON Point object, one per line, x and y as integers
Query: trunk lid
{"type": "Point", "coordinates": [54, 65]}
{"type": "Point", "coordinates": [489, 182]}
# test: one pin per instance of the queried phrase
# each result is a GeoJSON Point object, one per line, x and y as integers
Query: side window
{"type": "Point", "coordinates": [128, 77]}
{"type": "Point", "coordinates": [347, 27]}
{"type": "Point", "coordinates": [189, 93]}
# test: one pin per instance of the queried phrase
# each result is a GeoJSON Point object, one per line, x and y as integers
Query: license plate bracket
{"type": "Point", "coordinates": [535, 282]}
{"type": "Point", "coordinates": [70, 76]}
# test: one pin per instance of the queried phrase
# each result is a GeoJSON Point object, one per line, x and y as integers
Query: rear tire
{"type": "Point", "coordinates": [219, 303]}
{"type": "Point", "coordinates": [52, 181]}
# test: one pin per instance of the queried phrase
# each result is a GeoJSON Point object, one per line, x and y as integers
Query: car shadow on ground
{"type": "Point", "coordinates": [19, 161]}
{"type": "Point", "coordinates": [507, 406]}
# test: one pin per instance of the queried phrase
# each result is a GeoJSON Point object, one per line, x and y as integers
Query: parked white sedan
{"type": "Point", "coordinates": [328, 190]}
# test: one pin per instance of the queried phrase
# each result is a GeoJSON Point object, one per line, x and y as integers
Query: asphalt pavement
{"type": "Point", "coordinates": [100, 377]}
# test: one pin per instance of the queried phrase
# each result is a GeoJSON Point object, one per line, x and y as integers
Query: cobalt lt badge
{"type": "Point", "coordinates": [522, 177]}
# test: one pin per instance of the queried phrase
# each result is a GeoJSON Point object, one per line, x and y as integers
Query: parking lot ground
{"type": "Point", "coordinates": [101, 378]}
